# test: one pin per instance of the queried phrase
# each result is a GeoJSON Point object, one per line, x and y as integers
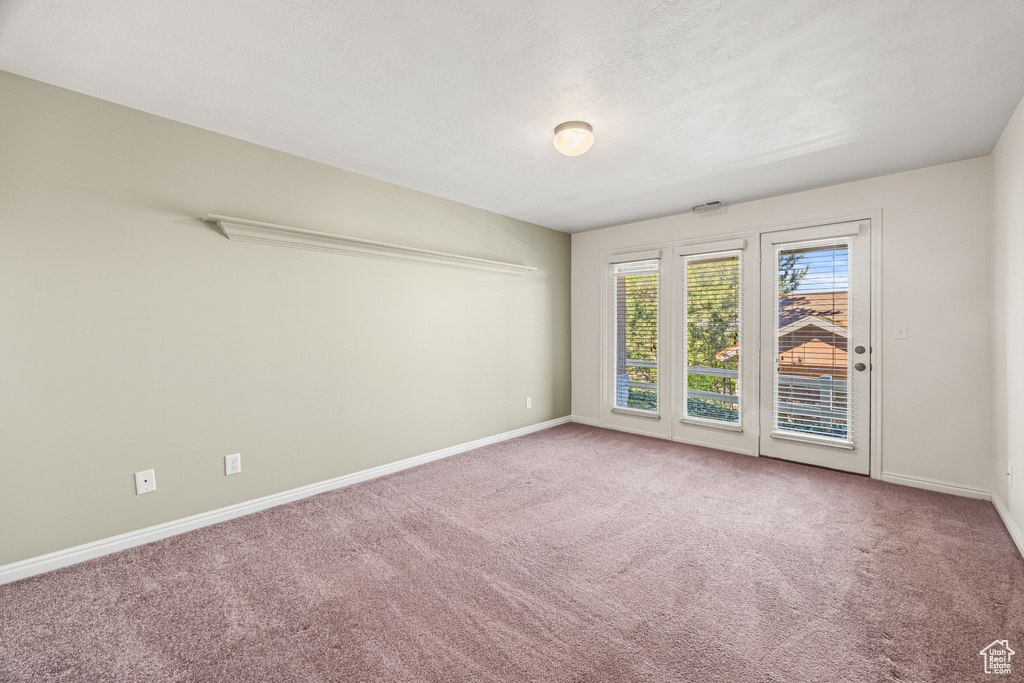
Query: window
{"type": "Point", "coordinates": [635, 335]}
{"type": "Point", "coordinates": [713, 346]}
{"type": "Point", "coordinates": [812, 335]}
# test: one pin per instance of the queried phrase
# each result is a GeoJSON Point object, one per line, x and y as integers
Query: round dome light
{"type": "Point", "coordinates": [573, 138]}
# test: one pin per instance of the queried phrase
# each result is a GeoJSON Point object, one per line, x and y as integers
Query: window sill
{"type": "Point", "coordinates": [708, 423]}
{"type": "Point", "coordinates": [637, 413]}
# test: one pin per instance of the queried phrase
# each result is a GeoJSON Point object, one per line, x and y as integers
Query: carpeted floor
{"type": "Point", "coordinates": [573, 554]}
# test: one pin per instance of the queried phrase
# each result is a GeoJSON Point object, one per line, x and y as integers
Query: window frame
{"type": "Point", "coordinates": [609, 360]}
{"type": "Point", "coordinates": [696, 248]}
{"type": "Point", "coordinates": [705, 252]}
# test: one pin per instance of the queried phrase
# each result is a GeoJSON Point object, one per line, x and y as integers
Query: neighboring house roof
{"type": "Point", "coordinates": [813, 321]}
{"type": "Point", "coordinates": [831, 306]}
{"type": "Point", "coordinates": [827, 311]}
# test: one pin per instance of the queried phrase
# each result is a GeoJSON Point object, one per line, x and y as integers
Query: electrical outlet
{"type": "Point", "coordinates": [145, 482]}
{"type": "Point", "coordinates": [900, 331]}
{"type": "Point", "coordinates": [232, 464]}
{"type": "Point", "coordinates": [529, 402]}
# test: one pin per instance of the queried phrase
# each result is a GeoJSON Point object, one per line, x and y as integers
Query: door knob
{"type": "Point", "coordinates": [860, 367]}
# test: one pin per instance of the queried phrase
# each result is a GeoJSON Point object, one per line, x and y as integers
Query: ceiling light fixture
{"type": "Point", "coordinates": [573, 138]}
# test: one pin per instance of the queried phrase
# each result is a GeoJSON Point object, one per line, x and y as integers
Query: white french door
{"type": "Point", "coordinates": [815, 356]}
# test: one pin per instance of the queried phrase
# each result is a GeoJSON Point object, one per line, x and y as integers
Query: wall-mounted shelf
{"type": "Point", "coordinates": [244, 230]}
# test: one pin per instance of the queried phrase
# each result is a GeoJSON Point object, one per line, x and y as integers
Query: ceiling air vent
{"type": "Point", "coordinates": [708, 206]}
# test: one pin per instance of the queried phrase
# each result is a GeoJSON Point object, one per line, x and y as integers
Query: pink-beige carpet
{"type": "Point", "coordinates": [573, 554]}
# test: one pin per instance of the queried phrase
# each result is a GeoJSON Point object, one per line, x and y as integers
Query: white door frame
{"type": "Point", "coordinates": [852, 455]}
{"type": "Point", "coordinates": [874, 219]}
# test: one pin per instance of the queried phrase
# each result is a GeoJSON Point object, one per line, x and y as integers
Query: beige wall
{"type": "Point", "coordinates": [936, 256]}
{"type": "Point", "coordinates": [1008, 317]}
{"type": "Point", "coordinates": [135, 336]}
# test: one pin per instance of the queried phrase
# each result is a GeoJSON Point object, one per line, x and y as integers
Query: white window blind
{"type": "Point", "coordinates": [713, 346]}
{"type": "Point", "coordinates": [635, 332]}
{"type": "Point", "coordinates": [812, 357]}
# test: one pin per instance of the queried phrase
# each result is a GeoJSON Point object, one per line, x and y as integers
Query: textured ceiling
{"type": "Point", "coordinates": [690, 101]}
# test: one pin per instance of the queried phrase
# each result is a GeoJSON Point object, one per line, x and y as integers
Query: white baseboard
{"type": "Point", "coordinates": [586, 421]}
{"type": "Point", "coordinates": [63, 558]}
{"type": "Point", "coordinates": [1015, 533]}
{"type": "Point", "coordinates": [936, 485]}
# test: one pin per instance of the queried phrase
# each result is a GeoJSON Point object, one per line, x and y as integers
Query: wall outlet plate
{"type": "Point", "coordinates": [232, 464]}
{"type": "Point", "coordinates": [145, 482]}
{"type": "Point", "coordinates": [529, 403]}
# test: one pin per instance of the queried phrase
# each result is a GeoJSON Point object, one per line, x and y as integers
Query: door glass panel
{"type": "Point", "coordinates": [812, 358]}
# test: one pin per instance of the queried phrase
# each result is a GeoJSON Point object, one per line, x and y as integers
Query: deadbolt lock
{"type": "Point", "coordinates": [859, 349]}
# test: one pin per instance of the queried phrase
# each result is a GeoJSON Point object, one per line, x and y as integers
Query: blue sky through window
{"type": "Point", "coordinates": [828, 269]}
